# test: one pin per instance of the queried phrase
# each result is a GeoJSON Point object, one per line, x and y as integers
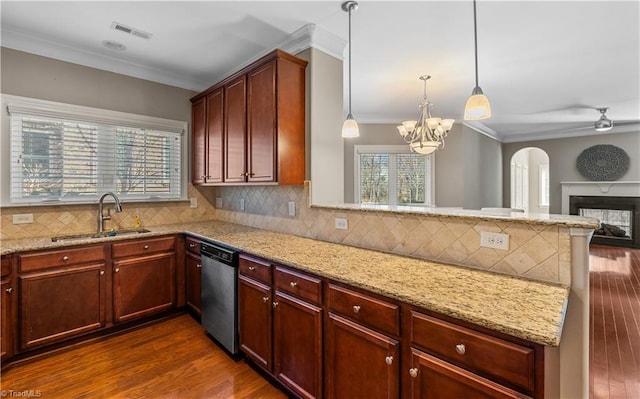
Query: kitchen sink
{"type": "Point", "coordinates": [112, 233]}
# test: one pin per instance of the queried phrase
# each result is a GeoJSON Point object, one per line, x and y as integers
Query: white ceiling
{"type": "Point", "coordinates": [543, 64]}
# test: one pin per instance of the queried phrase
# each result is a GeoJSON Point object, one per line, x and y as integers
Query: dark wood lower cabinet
{"type": "Point", "coordinates": [61, 303]}
{"type": "Point", "coordinates": [143, 286]}
{"type": "Point", "coordinates": [254, 321]}
{"type": "Point", "coordinates": [7, 323]}
{"type": "Point", "coordinates": [360, 363]}
{"type": "Point", "coordinates": [432, 378]}
{"type": "Point", "coordinates": [194, 282]}
{"type": "Point", "coordinates": [297, 331]}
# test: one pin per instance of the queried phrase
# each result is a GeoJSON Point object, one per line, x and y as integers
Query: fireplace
{"type": "Point", "coordinates": [619, 218]}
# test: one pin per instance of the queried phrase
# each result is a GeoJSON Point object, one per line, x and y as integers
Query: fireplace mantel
{"type": "Point", "coordinates": [598, 188]}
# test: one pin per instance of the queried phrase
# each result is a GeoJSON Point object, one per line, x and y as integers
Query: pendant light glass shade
{"type": "Point", "coordinates": [350, 126]}
{"type": "Point", "coordinates": [477, 106]}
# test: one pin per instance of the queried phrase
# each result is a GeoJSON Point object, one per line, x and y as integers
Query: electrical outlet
{"type": "Point", "coordinates": [494, 240]}
{"type": "Point", "coordinates": [194, 202]}
{"type": "Point", "coordinates": [341, 224]}
{"type": "Point", "coordinates": [23, 218]}
{"type": "Point", "coordinates": [242, 204]}
{"type": "Point", "coordinates": [219, 202]}
{"type": "Point", "coordinates": [292, 208]}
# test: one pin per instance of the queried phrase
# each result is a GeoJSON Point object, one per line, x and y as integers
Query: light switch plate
{"type": "Point", "coordinates": [342, 224]}
{"type": "Point", "coordinates": [292, 208]}
{"type": "Point", "coordinates": [194, 202]}
{"type": "Point", "coordinates": [242, 204]}
{"type": "Point", "coordinates": [23, 218]}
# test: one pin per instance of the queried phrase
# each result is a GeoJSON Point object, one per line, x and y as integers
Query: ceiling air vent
{"type": "Point", "coordinates": [132, 31]}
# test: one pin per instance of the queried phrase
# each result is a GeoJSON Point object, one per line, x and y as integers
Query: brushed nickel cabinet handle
{"type": "Point", "coordinates": [102, 272]}
{"type": "Point", "coordinates": [265, 299]}
{"type": "Point", "coordinates": [275, 304]}
{"type": "Point", "coordinates": [389, 360]}
{"type": "Point", "coordinates": [293, 284]}
{"type": "Point", "coordinates": [117, 270]}
{"type": "Point", "coordinates": [356, 308]}
{"type": "Point", "coordinates": [413, 372]}
{"type": "Point", "coordinates": [192, 245]}
{"type": "Point", "coordinates": [252, 268]}
{"type": "Point", "coordinates": [460, 348]}
{"type": "Point", "coordinates": [198, 265]}
{"type": "Point", "coordinates": [65, 258]}
{"type": "Point", "coordinates": [9, 290]}
{"type": "Point", "coordinates": [146, 247]}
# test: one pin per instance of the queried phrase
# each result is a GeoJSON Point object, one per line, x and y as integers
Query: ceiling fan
{"type": "Point", "coordinates": [603, 124]}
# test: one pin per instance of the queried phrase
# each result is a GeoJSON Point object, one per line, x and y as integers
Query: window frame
{"type": "Point", "coordinates": [50, 109]}
{"type": "Point", "coordinates": [543, 186]}
{"type": "Point", "coordinates": [394, 149]}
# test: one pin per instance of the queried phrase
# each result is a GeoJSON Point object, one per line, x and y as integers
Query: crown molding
{"type": "Point", "coordinates": [482, 129]}
{"type": "Point", "coordinates": [311, 35]}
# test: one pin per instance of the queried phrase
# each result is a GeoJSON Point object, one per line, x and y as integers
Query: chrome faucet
{"type": "Point", "coordinates": [101, 217]}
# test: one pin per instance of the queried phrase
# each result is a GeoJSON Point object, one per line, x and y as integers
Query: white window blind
{"type": "Point", "coordinates": [392, 175]}
{"type": "Point", "coordinates": [75, 160]}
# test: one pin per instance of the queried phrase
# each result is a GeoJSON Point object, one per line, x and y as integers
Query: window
{"type": "Point", "coordinates": [392, 175]}
{"type": "Point", "coordinates": [544, 185]}
{"type": "Point", "coordinates": [63, 153]}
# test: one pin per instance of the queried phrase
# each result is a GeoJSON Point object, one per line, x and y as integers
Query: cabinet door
{"type": "Point", "coordinates": [194, 282]}
{"type": "Point", "coordinates": [7, 323]}
{"type": "Point", "coordinates": [297, 345]}
{"type": "Point", "coordinates": [60, 304]}
{"type": "Point", "coordinates": [361, 363]}
{"type": "Point", "coordinates": [254, 321]}
{"type": "Point", "coordinates": [432, 378]}
{"type": "Point", "coordinates": [261, 119]}
{"type": "Point", "coordinates": [215, 128]}
{"type": "Point", "coordinates": [198, 141]}
{"type": "Point", "coordinates": [235, 130]}
{"type": "Point", "coordinates": [143, 286]}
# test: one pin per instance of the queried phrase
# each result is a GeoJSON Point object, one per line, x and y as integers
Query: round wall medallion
{"type": "Point", "coordinates": [603, 162]}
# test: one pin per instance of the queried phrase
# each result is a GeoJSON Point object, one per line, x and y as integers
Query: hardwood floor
{"type": "Point", "coordinates": [169, 359]}
{"type": "Point", "coordinates": [614, 354]}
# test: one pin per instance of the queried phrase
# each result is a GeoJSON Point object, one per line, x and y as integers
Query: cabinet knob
{"type": "Point", "coordinates": [65, 258]}
{"type": "Point", "coordinates": [461, 349]}
{"type": "Point", "coordinates": [293, 284]}
{"type": "Point", "coordinates": [356, 308]}
{"type": "Point", "coordinates": [146, 247]}
{"type": "Point", "coordinates": [192, 245]}
{"type": "Point", "coordinates": [389, 360]}
{"type": "Point", "coordinates": [275, 304]}
{"type": "Point", "coordinates": [9, 290]}
{"type": "Point", "coordinates": [413, 372]}
{"type": "Point", "coordinates": [252, 268]}
{"type": "Point", "coordinates": [117, 270]}
{"type": "Point", "coordinates": [198, 265]}
{"type": "Point", "coordinates": [265, 299]}
{"type": "Point", "coordinates": [102, 272]}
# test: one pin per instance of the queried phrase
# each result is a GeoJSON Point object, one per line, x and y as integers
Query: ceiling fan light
{"type": "Point", "coordinates": [350, 128]}
{"type": "Point", "coordinates": [477, 108]}
{"type": "Point", "coordinates": [603, 125]}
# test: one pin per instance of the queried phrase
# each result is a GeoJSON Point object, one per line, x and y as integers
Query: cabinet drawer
{"type": "Point", "coordinates": [63, 257]}
{"type": "Point", "coordinates": [300, 285]}
{"type": "Point", "coordinates": [378, 314]}
{"type": "Point", "coordinates": [142, 247]}
{"type": "Point", "coordinates": [473, 350]}
{"type": "Point", "coordinates": [192, 245]}
{"type": "Point", "coordinates": [258, 269]}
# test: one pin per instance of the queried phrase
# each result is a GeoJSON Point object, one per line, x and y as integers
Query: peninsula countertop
{"type": "Point", "coordinates": [523, 308]}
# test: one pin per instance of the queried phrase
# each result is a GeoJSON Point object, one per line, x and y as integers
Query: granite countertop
{"type": "Point", "coordinates": [523, 308]}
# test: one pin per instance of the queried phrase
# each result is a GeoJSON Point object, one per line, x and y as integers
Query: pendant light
{"type": "Point", "coordinates": [477, 107]}
{"type": "Point", "coordinates": [350, 126]}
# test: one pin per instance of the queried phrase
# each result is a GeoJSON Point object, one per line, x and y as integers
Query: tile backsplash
{"type": "Point", "coordinates": [81, 219]}
{"type": "Point", "coordinates": [540, 252]}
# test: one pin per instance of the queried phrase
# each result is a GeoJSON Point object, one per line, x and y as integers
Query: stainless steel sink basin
{"type": "Point", "coordinates": [113, 233]}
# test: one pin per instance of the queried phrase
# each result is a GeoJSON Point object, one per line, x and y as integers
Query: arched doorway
{"type": "Point", "coordinates": [530, 180]}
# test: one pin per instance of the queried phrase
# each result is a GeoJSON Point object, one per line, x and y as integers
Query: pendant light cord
{"type": "Point", "coordinates": [475, 39]}
{"type": "Point", "coordinates": [350, 8]}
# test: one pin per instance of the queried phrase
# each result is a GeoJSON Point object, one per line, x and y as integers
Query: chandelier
{"type": "Point", "coordinates": [427, 133]}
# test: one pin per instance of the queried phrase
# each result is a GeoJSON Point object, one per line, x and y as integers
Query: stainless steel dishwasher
{"type": "Point", "coordinates": [219, 295]}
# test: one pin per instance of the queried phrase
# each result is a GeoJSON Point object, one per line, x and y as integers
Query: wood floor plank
{"type": "Point", "coordinates": [169, 359]}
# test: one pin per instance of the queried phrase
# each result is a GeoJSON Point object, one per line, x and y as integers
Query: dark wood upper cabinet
{"type": "Point", "coordinates": [198, 140]}
{"type": "Point", "coordinates": [235, 130]}
{"type": "Point", "coordinates": [262, 123]}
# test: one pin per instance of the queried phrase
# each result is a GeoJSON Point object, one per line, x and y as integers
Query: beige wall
{"type": "Point", "coordinates": [482, 174]}
{"type": "Point", "coordinates": [562, 160]}
{"type": "Point", "coordinates": [33, 76]}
